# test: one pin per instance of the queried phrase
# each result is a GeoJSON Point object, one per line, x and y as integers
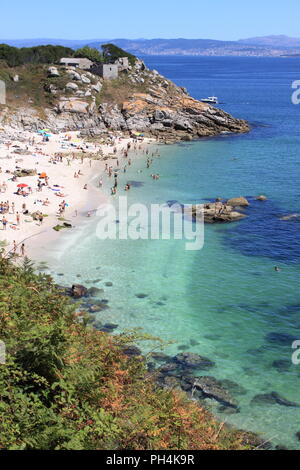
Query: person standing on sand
{"type": "Point", "coordinates": [4, 223]}
{"type": "Point", "coordinates": [22, 249]}
{"type": "Point", "coordinates": [13, 207]}
{"type": "Point", "coordinates": [18, 218]}
{"type": "Point", "coordinates": [14, 247]}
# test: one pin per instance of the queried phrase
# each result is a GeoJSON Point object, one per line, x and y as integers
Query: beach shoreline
{"type": "Point", "coordinates": [60, 157]}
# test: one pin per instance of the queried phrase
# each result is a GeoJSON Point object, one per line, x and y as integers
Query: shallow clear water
{"type": "Point", "coordinates": [227, 297]}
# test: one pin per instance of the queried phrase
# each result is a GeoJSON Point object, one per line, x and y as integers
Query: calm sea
{"type": "Point", "coordinates": [225, 301]}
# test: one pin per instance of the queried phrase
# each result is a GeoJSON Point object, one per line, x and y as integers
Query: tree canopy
{"type": "Point", "coordinates": [111, 53]}
{"type": "Point", "coordinates": [89, 53]}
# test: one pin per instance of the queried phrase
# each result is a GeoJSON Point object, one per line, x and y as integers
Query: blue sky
{"type": "Point", "coordinates": [91, 19]}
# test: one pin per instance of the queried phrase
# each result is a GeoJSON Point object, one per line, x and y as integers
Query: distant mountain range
{"type": "Point", "coordinates": [266, 46]}
{"type": "Point", "coordinates": [273, 41]}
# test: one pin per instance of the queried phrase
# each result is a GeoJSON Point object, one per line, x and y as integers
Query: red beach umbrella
{"type": "Point", "coordinates": [22, 185]}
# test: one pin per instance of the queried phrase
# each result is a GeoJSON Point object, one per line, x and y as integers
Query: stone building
{"type": "Point", "coordinates": [106, 71]}
{"type": "Point", "coordinates": [81, 63]}
{"type": "Point", "coordinates": [2, 92]}
{"type": "Point", "coordinates": [123, 63]}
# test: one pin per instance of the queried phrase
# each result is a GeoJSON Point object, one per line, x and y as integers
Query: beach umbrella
{"type": "Point", "coordinates": [22, 185]}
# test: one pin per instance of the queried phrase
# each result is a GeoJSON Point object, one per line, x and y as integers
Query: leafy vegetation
{"type": "Point", "coordinates": [67, 386]}
{"type": "Point", "coordinates": [50, 54]}
{"type": "Point", "coordinates": [89, 53]}
{"type": "Point", "coordinates": [33, 55]}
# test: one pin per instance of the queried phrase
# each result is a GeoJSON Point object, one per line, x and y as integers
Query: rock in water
{"type": "Point", "coordinates": [212, 388]}
{"type": "Point", "coordinates": [281, 338]}
{"type": "Point", "coordinates": [272, 399]}
{"type": "Point", "coordinates": [282, 365]}
{"type": "Point", "coordinates": [233, 387]}
{"type": "Point", "coordinates": [290, 217]}
{"type": "Point", "coordinates": [78, 291]}
{"type": "Point", "coordinates": [131, 351]}
{"type": "Point", "coordinates": [94, 291]}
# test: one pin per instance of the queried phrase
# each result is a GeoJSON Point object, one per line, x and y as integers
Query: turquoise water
{"type": "Point", "coordinates": [226, 297]}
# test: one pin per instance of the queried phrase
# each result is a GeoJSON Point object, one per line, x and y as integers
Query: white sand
{"type": "Point", "coordinates": [29, 231]}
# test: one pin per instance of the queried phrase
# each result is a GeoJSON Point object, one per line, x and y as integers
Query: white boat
{"type": "Point", "coordinates": [210, 99]}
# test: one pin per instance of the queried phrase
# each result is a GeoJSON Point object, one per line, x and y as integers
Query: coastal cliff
{"type": "Point", "coordinates": [139, 100]}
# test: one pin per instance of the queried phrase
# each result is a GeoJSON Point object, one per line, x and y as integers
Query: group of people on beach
{"type": "Point", "coordinates": [111, 170]}
{"type": "Point", "coordinates": [13, 215]}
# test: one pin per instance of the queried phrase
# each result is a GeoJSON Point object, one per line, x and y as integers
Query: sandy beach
{"type": "Point", "coordinates": [66, 177]}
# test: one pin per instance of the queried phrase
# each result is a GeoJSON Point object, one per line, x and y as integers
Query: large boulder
{"type": "Point", "coordinates": [112, 117]}
{"type": "Point", "coordinates": [290, 217]}
{"type": "Point", "coordinates": [73, 106]}
{"type": "Point", "coordinates": [78, 291]}
{"type": "Point", "coordinates": [74, 75]}
{"type": "Point", "coordinates": [280, 338]}
{"type": "Point", "coordinates": [238, 201]}
{"type": "Point", "coordinates": [97, 87]}
{"type": "Point", "coordinates": [273, 398]}
{"type": "Point", "coordinates": [209, 387]}
{"type": "Point", "coordinates": [95, 291]}
{"type": "Point", "coordinates": [53, 72]}
{"type": "Point", "coordinates": [85, 79]}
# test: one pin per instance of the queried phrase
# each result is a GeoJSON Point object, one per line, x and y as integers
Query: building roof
{"type": "Point", "coordinates": [76, 60]}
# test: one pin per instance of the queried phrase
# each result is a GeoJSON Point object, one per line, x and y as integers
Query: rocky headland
{"type": "Point", "coordinates": [62, 98]}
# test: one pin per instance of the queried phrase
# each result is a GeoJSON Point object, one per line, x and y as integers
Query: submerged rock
{"type": "Point", "coordinates": [290, 217]}
{"type": "Point", "coordinates": [95, 291]}
{"type": "Point", "coordinates": [160, 356]}
{"type": "Point", "coordinates": [212, 388]}
{"type": "Point", "coordinates": [272, 399]}
{"type": "Point", "coordinates": [141, 296]}
{"type": "Point", "coordinates": [110, 326]}
{"type": "Point", "coordinates": [280, 338]}
{"type": "Point", "coordinates": [131, 351]}
{"type": "Point", "coordinates": [193, 342]}
{"type": "Point", "coordinates": [98, 307]}
{"type": "Point", "coordinates": [183, 347]}
{"type": "Point", "coordinates": [282, 365]}
{"type": "Point", "coordinates": [233, 387]}
{"type": "Point", "coordinates": [172, 382]}
{"type": "Point", "coordinates": [168, 367]}
{"type": "Point", "coordinates": [215, 212]}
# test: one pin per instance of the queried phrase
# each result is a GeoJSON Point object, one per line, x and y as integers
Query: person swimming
{"type": "Point", "coordinates": [277, 269]}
